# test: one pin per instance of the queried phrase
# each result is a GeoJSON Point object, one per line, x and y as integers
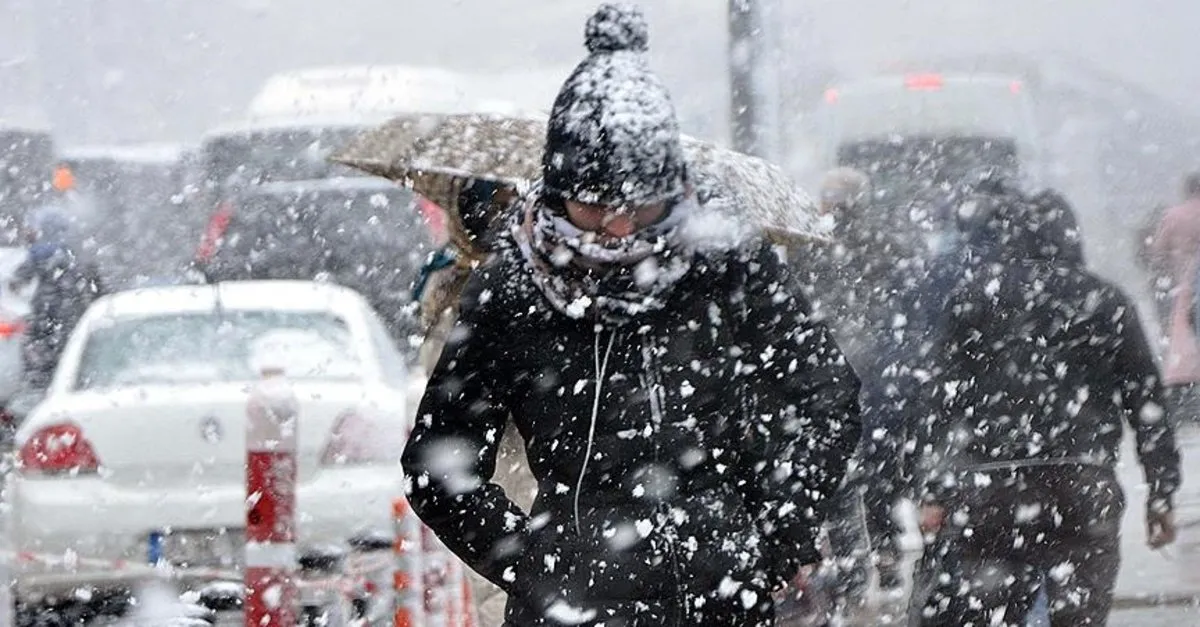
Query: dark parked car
{"type": "Point", "coordinates": [26, 167]}
{"type": "Point", "coordinates": [132, 191]}
{"type": "Point", "coordinates": [363, 233]}
{"type": "Point", "coordinates": [918, 136]}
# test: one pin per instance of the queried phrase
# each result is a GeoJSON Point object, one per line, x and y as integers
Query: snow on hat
{"type": "Point", "coordinates": [613, 136]}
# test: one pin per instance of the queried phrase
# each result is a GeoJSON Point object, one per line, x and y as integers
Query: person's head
{"type": "Point", "coordinates": [46, 224]}
{"type": "Point", "coordinates": [613, 162]}
{"type": "Point", "coordinates": [844, 191]}
{"type": "Point", "coordinates": [1191, 185]}
{"type": "Point", "coordinates": [480, 202]}
{"type": "Point", "coordinates": [1013, 225]}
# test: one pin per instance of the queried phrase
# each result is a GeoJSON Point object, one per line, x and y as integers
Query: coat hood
{"type": "Point", "coordinates": [1013, 226]}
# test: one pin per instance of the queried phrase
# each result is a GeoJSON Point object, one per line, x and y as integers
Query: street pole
{"type": "Point", "coordinates": [754, 44]}
{"type": "Point", "coordinates": [741, 76]}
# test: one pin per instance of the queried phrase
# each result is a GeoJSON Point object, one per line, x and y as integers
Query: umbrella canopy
{"type": "Point", "coordinates": [437, 155]}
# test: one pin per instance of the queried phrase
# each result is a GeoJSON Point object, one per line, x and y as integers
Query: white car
{"type": "Point", "coordinates": [138, 449]}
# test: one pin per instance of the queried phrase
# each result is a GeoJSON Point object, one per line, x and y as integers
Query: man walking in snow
{"type": "Point", "coordinates": [1038, 364]}
{"type": "Point", "coordinates": [685, 418]}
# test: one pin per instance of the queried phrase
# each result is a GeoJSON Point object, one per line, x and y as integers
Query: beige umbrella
{"type": "Point", "coordinates": [383, 151]}
{"type": "Point", "coordinates": [437, 156]}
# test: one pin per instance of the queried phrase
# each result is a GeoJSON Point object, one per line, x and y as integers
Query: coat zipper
{"type": "Point", "coordinates": [654, 391]}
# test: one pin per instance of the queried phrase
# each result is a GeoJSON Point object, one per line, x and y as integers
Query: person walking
{"type": "Point", "coordinates": [684, 416]}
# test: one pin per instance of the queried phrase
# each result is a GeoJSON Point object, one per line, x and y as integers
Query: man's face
{"type": "Point", "coordinates": [614, 222]}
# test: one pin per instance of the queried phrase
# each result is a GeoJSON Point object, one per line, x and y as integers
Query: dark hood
{"type": "Point", "coordinates": [1038, 228]}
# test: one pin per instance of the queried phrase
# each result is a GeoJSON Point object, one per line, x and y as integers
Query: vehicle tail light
{"type": "Point", "coordinates": [217, 225]}
{"type": "Point", "coordinates": [931, 82]}
{"type": "Point", "coordinates": [11, 328]}
{"type": "Point", "coordinates": [1015, 87]}
{"type": "Point", "coordinates": [831, 95]}
{"type": "Point", "coordinates": [58, 449]}
{"type": "Point", "coordinates": [352, 442]}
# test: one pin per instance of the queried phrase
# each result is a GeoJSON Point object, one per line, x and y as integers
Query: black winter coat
{"type": "Point", "coordinates": [683, 459]}
{"type": "Point", "coordinates": [66, 287]}
{"type": "Point", "coordinates": [1040, 361]}
{"type": "Point", "coordinates": [852, 283]}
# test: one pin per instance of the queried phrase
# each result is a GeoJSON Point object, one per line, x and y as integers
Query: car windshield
{"type": "Point", "coordinates": [276, 155]}
{"type": "Point", "coordinates": [229, 346]}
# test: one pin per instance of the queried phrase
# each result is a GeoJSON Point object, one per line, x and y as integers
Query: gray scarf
{"type": "Point", "coordinates": [615, 280]}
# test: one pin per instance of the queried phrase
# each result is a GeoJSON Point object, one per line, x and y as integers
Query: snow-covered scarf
{"type": "Point", "coordinates": [611, 280]}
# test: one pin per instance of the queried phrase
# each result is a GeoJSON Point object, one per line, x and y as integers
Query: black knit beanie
{"type": "Point", "coordinates": [613, 136]}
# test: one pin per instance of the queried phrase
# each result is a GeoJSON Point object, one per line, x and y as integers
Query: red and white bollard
{"type": "Point", "coordinates": [270, 573]}
{"type": "Point", "coordinates": [407, 581]}
{"type": "Point", "coordinates": [464, 601]}
{"type": "Point", "coordinates": [434, 566]}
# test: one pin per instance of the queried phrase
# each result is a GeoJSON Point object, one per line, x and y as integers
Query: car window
{"type": "Point", "coordinates": [902, 167]}
{"type": "Point", "coordinates": [275, 155]}
{"type": "Point", "coordinates": [216, 347]}
{"type": "Point", "coordinates": [391, 360]}
{"type": "Point", "coordinates": [871, 111]}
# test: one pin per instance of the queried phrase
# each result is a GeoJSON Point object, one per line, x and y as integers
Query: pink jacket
{"type": "Point", "coordinates": [1176, 246]}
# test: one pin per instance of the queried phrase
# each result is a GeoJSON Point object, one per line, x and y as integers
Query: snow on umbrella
{"type": "Point", "coordinates": [437, 158]}
{"type": "Point", "coordinates": [748, 186]}
{"type": "Point", "coordinates": [438, 155]}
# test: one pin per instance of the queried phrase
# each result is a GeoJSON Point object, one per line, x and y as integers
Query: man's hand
{"type": "Point", "coordinates": [796, 586]}
{"type": "Point", "coordinates": [1160, 528]}
{"type": "Point", "coordinates": [932, 518]}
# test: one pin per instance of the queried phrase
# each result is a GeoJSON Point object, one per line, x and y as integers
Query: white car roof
{"type": "Point", "coordinates": [270, 123]}
{"type": "Point", "coordinates": [232, 296]}
{"type": "Point", "coordinates": [378, 89]}
{"type": "Point", "coordinates": [141, 153]}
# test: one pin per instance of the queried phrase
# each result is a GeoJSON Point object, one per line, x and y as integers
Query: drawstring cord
{"type": "Point", "coordinates": [601, 367]}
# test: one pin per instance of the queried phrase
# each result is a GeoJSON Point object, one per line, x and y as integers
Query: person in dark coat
{"type": "Point", "coordinates": [684, 416]}
{"type": "Point", "coordinates": [66, 286]}
{"type": "Point", "coordinates": [1038, 364]}
{"type": "Point", "coordinates": [852, 282]}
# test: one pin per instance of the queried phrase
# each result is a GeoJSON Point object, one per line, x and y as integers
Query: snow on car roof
{"type": "Point", "coordinates": [378, 89]}
{"type": "Point", "coordinates": [232, 296]}
{"type": "Point", "coordinates": [140, 153]}
{"type": "Point", "coordinates": [337, 183]}
{"type": "Point", "coordinates": [260, 124]}
{"type": "Point", "coordinates": [28, 121]}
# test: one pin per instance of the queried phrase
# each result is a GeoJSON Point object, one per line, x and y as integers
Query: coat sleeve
{"type": "Point", "coordinates": [934, 411]}
{"type": "Point", "coordinates": [1142, 397]}
{"type": "Point", "coordinates": [801, 407]}
{"type": "Point", "coordinates": [450, 458]}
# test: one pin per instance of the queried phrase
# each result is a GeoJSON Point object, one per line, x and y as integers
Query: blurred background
{"type": "Point", "coordinates": [184, 137]}
{"type": "Point", "coordinates": [1116, 77]}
